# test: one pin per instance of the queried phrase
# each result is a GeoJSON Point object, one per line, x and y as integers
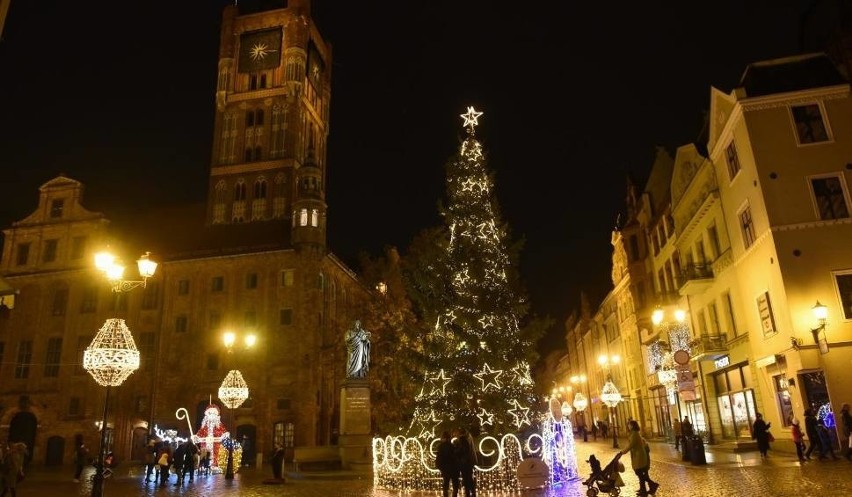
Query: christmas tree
{"type": "Point", "coordinates": [479, 378]}
{"type": "Point", "coordinates": [477, 355]}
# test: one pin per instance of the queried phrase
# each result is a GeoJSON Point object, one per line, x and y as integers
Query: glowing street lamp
{"type": "Point", "coordinates": [108, 264]}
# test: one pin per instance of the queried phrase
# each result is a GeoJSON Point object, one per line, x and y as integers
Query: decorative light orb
{"type": "Point", "coordinates": [657, 316]}
{"type": "Point", "coordinates": [104, 260]}
{"type": "Point", "coordinates": [234, 390]}
{"type": "Point", "coordinates": [566, 409]}
{"type": "Point", "coordinates": [229, 338]}
{"type": "Point", "coordinates": [680, 315]}
{"type": "Point", "coordinates": [580, 402]}
{"type": "Point", "coordinates": [602, 360]}
{"type": "Point", "coordinates": [112, 356]}
{"type": "Point", "coordinates": [115, 271]}
{"type": "Point", "coordinates": [251, 339]}
{"type": "Point", "coordinates": [610, 395]}
{"type": "Point", "coordinates": [615, 359]}
{"type": "Point", "coordinates": [820, 311]}
{"type": "Point", "coordinates": [146, 266]}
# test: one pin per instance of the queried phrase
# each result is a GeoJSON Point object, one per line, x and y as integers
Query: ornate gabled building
{"type": "Point", "coordinates": [253, 259]}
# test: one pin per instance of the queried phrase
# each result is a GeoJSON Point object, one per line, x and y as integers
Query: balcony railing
{"type": "Point", "coordinates": [696, 272]}
{"type": "Point", "coordinates": [695, 278]}
{"type": "Point", "coordinates": [709, 345]}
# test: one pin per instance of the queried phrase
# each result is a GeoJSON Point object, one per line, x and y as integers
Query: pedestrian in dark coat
{"type": "Point", "coordinates": [466, 459]}
{"type": "Point", "coordinates": [760, 432]}
{"type": "Point", "coordinates": [446, 462]}
{"type": "Point", "coordinates": [81, 458]}
{"type": "Point", "coordinates": [812, 432]}
{"type": "Point", "coordinates": [826, 447]}
{"type": "Point", "coordinates": [13, 468]}
{"type": "Point", "coordinates": [846, 425]}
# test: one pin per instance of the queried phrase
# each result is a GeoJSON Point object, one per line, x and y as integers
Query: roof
{"type": "Point", "coordinates": [180, 232]}
{"type": "Point", "coordinates": [788, 74]}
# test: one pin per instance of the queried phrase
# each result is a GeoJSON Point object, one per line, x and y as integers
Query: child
{"type": "Point", "coordinates": [799, 440]}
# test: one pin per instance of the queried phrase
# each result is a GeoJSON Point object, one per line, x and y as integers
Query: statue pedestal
{"type": "Point", "coordinates": [355, 440]}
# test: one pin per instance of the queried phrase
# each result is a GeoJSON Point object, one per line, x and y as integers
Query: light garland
{"type": "Point", "coordinates": [112, 356]}
{"type": "Point", "coordinates": [559, 454]}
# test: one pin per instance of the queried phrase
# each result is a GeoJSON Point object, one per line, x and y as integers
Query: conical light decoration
{"type": "Point", "coordinates": [234, 390]}
{"type": "Point", "coordinates": [112, 356]}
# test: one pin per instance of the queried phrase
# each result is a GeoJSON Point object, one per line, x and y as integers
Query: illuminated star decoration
{"type": "Point", "coordinates": [260, 51]}
{"type": "Point", "coordinates": [485, 417]}
{"type": "Point", "coordinates": [522, 373]}
{"type": "Point", "coordinates": [489, 377]}
{"type": "Point", "coordinates": [471, 119]}
{"type": "Point", "coordinates": [521, 414]}
{"type": "Point", "coordinates": [439, 383]}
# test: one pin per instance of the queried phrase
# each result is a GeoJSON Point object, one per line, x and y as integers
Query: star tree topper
{"type": "Point", "coordinates": [471, 119]}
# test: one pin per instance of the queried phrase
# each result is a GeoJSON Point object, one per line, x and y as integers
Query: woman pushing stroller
{"type": "Point", "coordinates": [640, 459]}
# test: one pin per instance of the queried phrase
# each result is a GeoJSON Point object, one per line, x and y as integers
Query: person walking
{"type": "Point", "coordinates": [164, 461]}
{"type": "Point", "coordinates": [445, 461]}
{"type": "Point", "coordinates": [846, 424]}
{"type": "Point", "coordinates": [760, 432]}
{"type": "Point", "coordinates": [826, 447]}
{"type": "Point", "coordinates": [466, 460]}
{"type": "Point", "coordinates": [676, 427]}
{"type": "Point", "coordinates": [81, 457]}
{"type": "Point", "coordinates": [812, 432]}
{"type": "Point", "coordinates": [150, 459]}
{"type": "Point", "coordinates": [798, 439]}
{"type": "Point", "coordinates": [13, 468]}
{"type": "Point", "coordinates": [640, 459]}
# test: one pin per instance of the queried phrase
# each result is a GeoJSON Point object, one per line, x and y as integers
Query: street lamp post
{"type": "Point", "coordinates": [112, 356]}
{"type": "Point", "coordinates": [610, 394]}
{"type": "Point", "coordinates": [233, 392]}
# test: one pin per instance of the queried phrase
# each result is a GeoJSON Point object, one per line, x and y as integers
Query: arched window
{"type": "Point", "coordinates": [260, 188]}
{"type": "Point", "coordinates": [258, 117]}
{"type": "Point", "coordinates": [258, 203]}
{"type": "Point", "coordinates": [248, 154]}
{"type": "Point", "coordinates": [240, 190]}
{"type": "Point", "coordinates": [314, 217]}
{"type": "Point", "coordinates": [303, 217]}
{"type": "Point", "coordinates": [278, 202]}
{"type": "Point", "coordinates": [221, 196]}
{"type": "Point", "coordinates": [257, 153]}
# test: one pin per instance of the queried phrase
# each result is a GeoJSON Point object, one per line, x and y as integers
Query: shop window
{"type": "Point", "coordinates": [782, 395]}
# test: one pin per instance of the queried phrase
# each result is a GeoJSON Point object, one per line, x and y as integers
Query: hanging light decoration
{"type": "Point", "coordinates": [610, 394]}
{"type": "Point", "coordinates": [234, 390]}
{"type": "Point", "coordinates": [112, 356]}
{"type": "Point", "coordinates": [580, 402]}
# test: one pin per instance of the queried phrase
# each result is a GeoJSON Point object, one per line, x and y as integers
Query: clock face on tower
{"type": "Point", "coordinates": [260, 50]}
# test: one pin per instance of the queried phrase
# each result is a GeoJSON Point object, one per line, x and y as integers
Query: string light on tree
{"type": "Point", "coordinates": [476, 341]}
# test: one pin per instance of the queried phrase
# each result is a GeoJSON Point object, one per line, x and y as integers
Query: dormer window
{"type": "Point", "coordinates": [56, 208]}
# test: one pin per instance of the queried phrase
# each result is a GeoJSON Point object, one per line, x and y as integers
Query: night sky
{"type": "Point", "coordinates": [119, 95]}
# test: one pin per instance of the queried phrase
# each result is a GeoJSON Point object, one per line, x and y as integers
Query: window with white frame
{"type": "Point", "coordinates": [733, 160]}
{"type": "Point", "coordinates": [747, 227]}
{"type": "Point", "coordinates": [830, 197]}
{"type": "Point", "coordinates": [843, 280]}
{"type": "Point", "coordinates": [810, 124]}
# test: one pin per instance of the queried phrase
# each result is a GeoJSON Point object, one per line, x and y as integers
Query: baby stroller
{"type": "Point", "coordinates": [607, 479]}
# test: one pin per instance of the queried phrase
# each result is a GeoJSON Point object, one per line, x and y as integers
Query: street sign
{"type": "Point", "coordinates": [685, 381]}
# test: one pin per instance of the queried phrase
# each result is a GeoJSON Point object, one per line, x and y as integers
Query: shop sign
{"type": "Point", "coordinates": [722, 362]}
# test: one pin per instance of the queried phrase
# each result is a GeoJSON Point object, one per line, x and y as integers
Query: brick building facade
{"type": "Point", "coordinates": [252, 259]}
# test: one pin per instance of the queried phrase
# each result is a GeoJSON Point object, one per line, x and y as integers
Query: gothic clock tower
{"type": "Point", "coordinates": [271, 126]}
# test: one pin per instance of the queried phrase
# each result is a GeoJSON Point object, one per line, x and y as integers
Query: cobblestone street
{"type": "Point", "coordinates": [726, 474]}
